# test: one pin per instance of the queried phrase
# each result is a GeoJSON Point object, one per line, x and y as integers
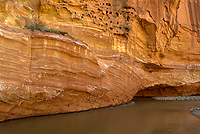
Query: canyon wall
{"type": "Point", "coordinates": [59, 56]}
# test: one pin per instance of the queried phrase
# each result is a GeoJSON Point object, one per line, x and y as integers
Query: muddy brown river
{"type": "Point", "coordinates": [143, 116]}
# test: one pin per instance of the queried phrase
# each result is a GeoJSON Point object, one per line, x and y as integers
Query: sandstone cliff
{"type": "Point", "coordinates": [59, 56]}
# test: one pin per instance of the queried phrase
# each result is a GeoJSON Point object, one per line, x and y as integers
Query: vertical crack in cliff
{"type": "Point", "coordinates": [151, 16]}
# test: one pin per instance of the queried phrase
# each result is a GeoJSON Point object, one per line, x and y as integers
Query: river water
{"type": "Point", "coordinates": [145, 116]}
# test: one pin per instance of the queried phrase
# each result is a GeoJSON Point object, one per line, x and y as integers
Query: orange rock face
{"type": "Point", "coordinates": [59, 56]}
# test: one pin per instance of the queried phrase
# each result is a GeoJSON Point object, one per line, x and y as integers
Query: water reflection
{"type": "Point", "coordinates": [143, 117]}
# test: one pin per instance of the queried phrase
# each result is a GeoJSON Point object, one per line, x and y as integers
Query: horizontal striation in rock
{"type": "Point", "coordinates": [66, 56]}
{"type": "Point", "coordinates": [53, 69]}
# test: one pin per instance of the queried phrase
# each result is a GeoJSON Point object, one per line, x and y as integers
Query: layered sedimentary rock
{"type": "Point", "coordinates": [59, 56]}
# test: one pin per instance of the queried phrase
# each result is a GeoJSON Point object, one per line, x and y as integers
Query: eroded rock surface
{"type": "Point", "coordinates": [59, 56]}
